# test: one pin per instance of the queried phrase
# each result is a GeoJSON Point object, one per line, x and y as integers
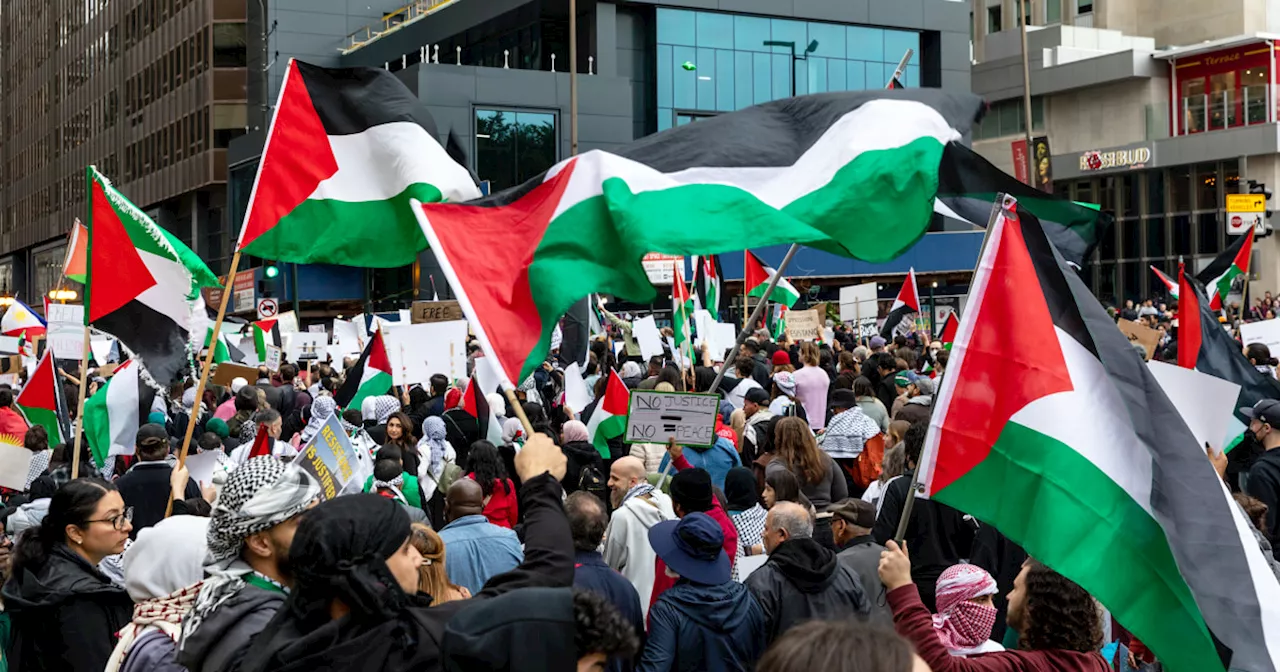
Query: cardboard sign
{"type": "Point", "coordinates": [804, 325]}
{"type": "Point", "coordinates": [656, 417]}
{"type": "Point", "coordinates": [331, 459]}
{"type": "Point", "coordinates": [435, 311]}
{"type": "Point", "coordinates": [227, 372]}
{"type": "Point", "coordinates": [1136, 333]}
{"type": "Point", "coordinates": [274, 353]}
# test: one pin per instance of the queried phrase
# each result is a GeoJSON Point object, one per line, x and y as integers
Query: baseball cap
{"type": "Point", "coordinates": [786, 381]}
{"type": "Point", "coordinates": [855, 511]}
{"type": "Point", "coordinates": [925, 385]}
{"type": "Point", "coordinates": [1267, 410]}
{"type": "Point", "coordinates": [757, 395]}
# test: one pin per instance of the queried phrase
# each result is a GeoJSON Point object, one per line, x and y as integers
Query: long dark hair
{"type": "Point", "coordinates": [73, 504]}
{"type": "Point", "coordinates": [407, 439]}
{"type": "Point", "coordinates": [1259, 353]}
{"type": "Point", "coordinates": [485, 462]}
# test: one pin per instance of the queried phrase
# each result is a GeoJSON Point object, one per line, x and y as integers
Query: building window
{"type": "Point", "coordinates": [994, 19]}
{"type": "Point", "coordinates": [1052, 12]}
{"type": "Point", "coordinates": [6, 278]}
{"type": "Point", "coordinates": [1084, 7]}
{"type": "Point", "coordinates": [1005, 118]}
{"type": "Point", "coordinates": [229, 123]}
{"type": "Point", "coordinates": [229, 45]}
{"type": "Point", "coordinates": [514, 146]}
{"type": "Point", "coordinates": [1026, 12]}
{"type": "Point", "coordinates": [46, 270]}
{"type": "Point", "coordinates": [711, 62]}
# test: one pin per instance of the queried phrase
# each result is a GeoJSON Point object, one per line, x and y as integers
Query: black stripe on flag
{"type": "Point", "coordinates": [352, 100]}
{"type": "Point", "coordinates": [1220, 264]}
{"type": "Point", "coordinates": [353, 375]}
{"type": "Point", "coordinates": [1062, 306]}
{"type": "Point", "coordinates": [154, 339]}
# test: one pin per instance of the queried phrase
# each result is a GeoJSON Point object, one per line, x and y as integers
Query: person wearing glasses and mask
{"type": "Point", "coordinates": [65, 612]}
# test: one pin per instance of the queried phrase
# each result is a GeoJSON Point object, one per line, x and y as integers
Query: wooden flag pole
{"type": "Point", "coordinates": [84, 379]}
{"type": "Point", "coordinates": [204, 372]}
{"type": "Point", "coordinates": [518, 410]}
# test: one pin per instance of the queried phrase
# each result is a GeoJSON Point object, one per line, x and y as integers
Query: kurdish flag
{"type": "Point", "coordinates": [40, 400]}
{"type": "Point", "coordinates": [113, 414]}
{"type": "Point", "coordinates": [1219, 275]}
{"type": "Point", "coordinates": [267, 332]}
{"type": "Point", "coordinates": [346, 151]}
{"type": "Point", "coordinates": [370, 377]}
{"type": "Point", "coordinates": [20, 320]}
{"type": "Point", "coordinates": [681, 308]}
{"type": "Point", "coordinates": [1049, 428]}
{"type": "Point", "coordinates": [609, 420]}
{"type": "Point", "coordinates": [143, 285]}
{"type": "Point", "coordinates": [74, 265]}
{"type": "Point", "coordinates": [853, 173]}
{"type": "Point", "coordinates": [756, 277]}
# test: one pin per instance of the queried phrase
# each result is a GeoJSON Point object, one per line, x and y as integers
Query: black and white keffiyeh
{"type": "Point", "coordinates": [847, 433]}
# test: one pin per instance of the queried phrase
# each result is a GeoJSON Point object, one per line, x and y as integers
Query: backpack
{"type": "Point", "coordinates": [869, 460]}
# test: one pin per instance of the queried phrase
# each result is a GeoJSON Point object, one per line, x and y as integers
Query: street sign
{"type": "Point", "coordinates": [268, 308]}
{"type": "Point", "coordinates": [1242, 222]}
{"type": "Point", "coordinates": [1241, 203]}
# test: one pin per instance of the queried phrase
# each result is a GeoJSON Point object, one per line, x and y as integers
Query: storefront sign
{"type": "Point", "coordinates": [661, 268]}
{"type": "Point", "coordinates": [1137, 157]}
{"type": "Point", "coordinates": [243, 293]}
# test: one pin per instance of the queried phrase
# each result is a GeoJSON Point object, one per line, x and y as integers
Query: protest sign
{"type": "Point", "coordinates": [273, 358]}
{"type": "Point", "coordinates": [317, 329]}
{"type": "Point", "coordinates": [11, 379]}
{"type": "Point", "coordinates": [337, 353]}
{"type": "Point", "coordinates": [66, 330]}
{"type": "Point", "coordinates": [576, 394]}
{"type": "Point", "coordinates": [1206, 403]}
{"type": "Point", "coordinates": [287, 323]}
{"type": "Point", "coordinates": [858, 302]}
{"type": "Point", "coordinates": [330, 457]}
{"type": "Point", "coordinates": [15, 462]}
{"type": "Point", "coordinates": [201, 466]}
{"type": "Point", "coordinates": [647, 336]}
{"type": "Point", "coordinates": [10, 345]}
{"type": "Point", "coordinates": [677, 356]}
{"type": "Point", "coordinates": [305, 345]}
{"type": "Point", "coordinates": [435, 311]}
{"type": "Point", "coordinates": [804, 325]}
{"type": "Point", "coordinates": [656, 417]}
{"type": "Point", "coordinates": [1266, 332]}
{"type": "Point", "coordinates": [1136, 333]}
{"type": "Point", "coordinates": [418, 351]}
{"type": "Point", "coordinates": [227, 372]}
{"type": "Point", "coordinates": [350, 336]}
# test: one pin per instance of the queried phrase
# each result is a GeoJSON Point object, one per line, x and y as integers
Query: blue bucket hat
{"type": "Point", "coordinates": [692, 547]}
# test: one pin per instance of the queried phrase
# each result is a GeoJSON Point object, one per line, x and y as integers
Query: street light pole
{"type": "Point", "coordinates": [812, 47]}
{"type": "Point", "coordinates": [573, 77]}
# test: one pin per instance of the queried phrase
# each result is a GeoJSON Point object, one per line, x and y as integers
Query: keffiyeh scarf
{"type": "Point", "coordinates": [163, 613]}
{"type": "Point", "coordinates": [321, 409]}
{"type": "Point", "coordinates": [433, 441]}
{"type": "Point", "coordinates": [963, 625]}
{"type": "Point", "coordinates": [384, 406]}
{"type": "Point", "coordinates": [847, 434]}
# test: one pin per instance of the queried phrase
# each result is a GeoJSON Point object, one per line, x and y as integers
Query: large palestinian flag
{"type": "Point", "coordinates": [114, 413]}
{"type": "Point", "coordinates": [609, 419]}
{"type": "Point", "coordinates": [41, 400]}
{"type": "Point", "coordinates": [143, 285]}
{"type": "Point", "coordinates": [756, 277]}
{"type": "Point", "coordinates": [905, 306]}
{"type": "Point", "coordinates": [1225, 268]}
{"type": "Point", "coordinates": [707, 282]}
{"type": "Point", "coordinates": [1051, 429]}
{"type": "Point", "coordinates": [370, 377]}
{"type": "Point", "coordinates": [967, 189]}
{"type": "Point", "coordinates": [853, 173]}
{"type": "Point", "coordinates": [346, 151]}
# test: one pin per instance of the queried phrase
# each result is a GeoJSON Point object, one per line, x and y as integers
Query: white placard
{"type": "Point", "coordinates": [656, 417]}
{"type": "Point", "coordinates": [11, 345]}
{"type": "Point", "coordinates": [557, 337]}
{"type": "Point", "coordinates": [348, 334]}
{"type": "Point", "coordinates": [66, 330]}
{"type": "Point", "coordinates": [337, 353]}
{"type": "Point", "coordinates": [647, 336]}
{"type": "Point", "coordinates": [858, 302]}
{"type": "Point", "coordinates": [288, 323]}
{"type": "Point", "coordinates": [200, 467]}
{"type": "Point", "coordinates": [274, 354]}
{"type": "Point", "coordinates": [406, 315]}
{"type": "Point", "coordinates": [748, 564]}
{"type": "Point", "coordinates": [418, 351]}
{"type": "Point", "coordinates": [317, 329]}
{"type": "Point", "coordinates": [1206, 403]}
{"type": "Point", "coordinates": [576, 394]}
{"type": "Point", "coordinates": [15, 463]}
{"type": "Point", "coordinates": [488, 376]}
{"type": "Point", "coordinates": [304, 345]}
{"type": "Point", "coordinates": [1266, 332]}
{"type": "Point", "coordinates": [723, 338]}
{"type": "Point", "coordinates": [617, 348]}
{"type": "Point", "coordinates": [676, 355]}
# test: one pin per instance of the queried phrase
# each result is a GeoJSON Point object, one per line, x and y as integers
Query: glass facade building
{"type": "Point", "coordinates": [711, 62]}
{"type": "Point", "coordinates": [1160, 215]}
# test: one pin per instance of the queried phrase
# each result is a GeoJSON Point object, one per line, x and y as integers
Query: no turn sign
{"type": "Point", "coordinates": [268, 308]}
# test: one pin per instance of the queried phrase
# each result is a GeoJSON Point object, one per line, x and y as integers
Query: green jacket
{"type": "Point", "coordinates": [412, 493]}
{"type": "Point", "coordinates": [6, 633]}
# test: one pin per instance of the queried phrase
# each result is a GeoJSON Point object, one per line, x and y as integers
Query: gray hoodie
{"type": "Point", "coordinates": [224, 636]}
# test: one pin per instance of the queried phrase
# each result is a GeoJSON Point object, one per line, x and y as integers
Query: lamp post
{"type": "Point", "coordinates": [933, 311]}
{"type": "Point", "coordinates": [813, 46]}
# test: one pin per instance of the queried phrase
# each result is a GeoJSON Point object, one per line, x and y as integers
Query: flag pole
{"type": "Point", "coordinates": [204, 371]}
{"type": "Point", "coordinates": [84, 379]}
{"type": "Point", "coordinates": [755, 316]}
{"type": "Point", "coordinates": [518, 409]}
{"type": "Point", "coordinates": [916, 486]}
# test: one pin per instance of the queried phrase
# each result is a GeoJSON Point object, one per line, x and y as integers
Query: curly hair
{"type": "Point", "coordinates": [1058, 614]}
{"type": "Point", "coordinates": [838, 646]}
{"type": "Point", "coordinates": [914, 441]}
{"type": "Point", "coordinates": [601, 628]}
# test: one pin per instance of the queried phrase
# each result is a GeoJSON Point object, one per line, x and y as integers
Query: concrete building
{"type": "Point", "coordinates": [493, 73]}
{"type": "Point", "coordinates": [150, 92]}
{"type": "Point", "coordinates": [1154, 109]}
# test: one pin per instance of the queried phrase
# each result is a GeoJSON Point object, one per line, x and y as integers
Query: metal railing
{"type": "Point", "coordinates": [1227, 109]}
{"type": "Point", "coordinates": [392, 22]}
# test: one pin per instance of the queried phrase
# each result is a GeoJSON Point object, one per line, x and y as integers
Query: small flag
{"type": "Point", "coordinates": [261, 442]}
{"type": "Point", "coordinates": [609, 420]}
{"type": "Point", "coordinates": [38, 400]}
{"type": "Point", "coordinates": [1222, 272]}
{"type": "Point", "coordinates": [681, 308]}
{"type": "Point", "coordinates": [907, 303]}
{"type": "Point", "coordinates": [265, 332]}
{"type": "Point", "coordinates": [950, 327]}
{"type": "Point", "coordinates": [371, 375]}
{"type": "Point", "coordinates": [20, 320]}
{"type": "Point", "coordinates": [476, 405]}
{"type": "Point", "coordinates": [707, 281]}
{"type": "Point", "coordinates": [74, 265]}
{"type": "Point", "coordinates": [1170, 286]}
{"type": "Point", "coordinates": [114, 413]}
{"type": "Point", "coordinates": [757, 277]}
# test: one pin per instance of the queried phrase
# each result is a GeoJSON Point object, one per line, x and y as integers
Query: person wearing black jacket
{"type": "Point", "coordinates": [355, 605]}
{"type": "Point", "coordinates": [145, 488]}
{"type": "Point", "coordinates": [762, 373]}
{"type": "Point", "coordinates": [65, 613]}
{"type": "Point", "coordinates": [802, 580]}
{"type": "Point", "coordinates": [1263, 481]}
{"type": "Point", "coordinates": [938, 535]}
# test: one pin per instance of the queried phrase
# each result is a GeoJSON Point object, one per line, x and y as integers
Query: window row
{"type": "Point", "coordinates": [182, 64]}
{"type": "Point", "coordinates": [184, 138]}
{"type": "Point", "coordinates": [1007, 118]}
{"type": "Point", "coordinates": [97, 118]}
{"type": "Point", "coordinates": [713, 30]}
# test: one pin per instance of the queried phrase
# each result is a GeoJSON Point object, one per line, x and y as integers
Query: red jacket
{"type": "Point", "coordinates": [661, 581]}
{"type": "Point", "coordinates": [913, 621]}
{"type": "Point", "coordinates": [11, 423]}
{"type": "Point", "coordinates": [503, 508]}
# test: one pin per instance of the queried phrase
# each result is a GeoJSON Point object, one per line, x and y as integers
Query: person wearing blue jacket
{"type": "Point", "coordinates": [706, 621]}
{"type": "Point", "coordinates": [717, 459]}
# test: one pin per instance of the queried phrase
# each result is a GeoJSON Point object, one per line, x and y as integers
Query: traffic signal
{"type": "Point", "coordinates": [271, 271]}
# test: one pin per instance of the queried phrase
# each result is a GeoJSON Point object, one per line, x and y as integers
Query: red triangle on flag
{"type": "Point", "coordinates": [261, 442]}
{"type": "Point", "coordinates": [679, 291]}
{"type": "Point", "coordinates": [378, 354]}
{"type": "Point", "coordinates": [949, 329]}
{"type": "Point", "coordinates": [753, 271]}
{"type": "Point", "coordinates": [617, 398]}
{"type": "Point", "coordinates": [118, 272]}
{"type": "Point", "coordinates": [908, 296]}
{"type": "Point", "coordinates": [266, 325]}
{"type": "Point", "coordinates": [1189, 327]}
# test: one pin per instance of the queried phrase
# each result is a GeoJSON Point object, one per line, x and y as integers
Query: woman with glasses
{"type": "Point", "coordinates": [65, 612]}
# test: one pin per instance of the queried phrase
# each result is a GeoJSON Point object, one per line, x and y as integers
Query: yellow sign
{"type": "Point", "coordinates": [1246, 203]}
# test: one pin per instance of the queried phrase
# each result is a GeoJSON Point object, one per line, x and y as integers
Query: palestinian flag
{"type": "Point", "coordinates": [896, 83]}
{"type": "Point", "coordinates": [1222, 272]}
{"type": "Point", "coordinates": [707, 281]}
{"type": "Point", "coordinates": [114, 413]}
{"type": "Point", "coordinates": [1052, 430]}
{"type": "Point", "coordinates": [346, 151]}
{"type": "Point", "coordinates": [967, 189]}
{"type": "Point", "coordinates": [40, 400]}
{"type": "Point", "coordinates": [777, 321]}
{"type": "Point", "coordinates": [143, 285]}
{"type": "Point", "coordinates": [73, 266]}
{"type": "Point", "coordinates": [224, 351]}
{"type": "Point", "coordinates": [1205, 346]}
{"type": "Point", "coordinates": [267, 332]}
{"type": "Point", "coordinates": [907, 303]}
{"type": "Point", "coordinates": [370, 377]}
{"type": "Point", "coordinates": [1170, 287]}
{"type": "Point", "coordinates": [681, 309]}
{"type": "Point", "coordinates": [756, 277]}
{"type": "Point", "coordinates": [476, 405]}
{"type": "Point", "coordinates": [20, 320]}
{"type": "Point", "coordinates": [950, 327]}
{"type": "Point", "coordinates": [609, 420]}
{"type": "Point", "coordinates": [852, 173]}
{"type": "Point", "coordinates": [595, 324]}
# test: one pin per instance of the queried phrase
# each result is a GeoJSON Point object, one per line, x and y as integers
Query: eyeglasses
{"type": "Point", "coordinates": [119, 521]}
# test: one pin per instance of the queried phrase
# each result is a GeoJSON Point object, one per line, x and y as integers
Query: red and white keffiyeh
{"type": "Point", "coordinates": [963, 625]}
